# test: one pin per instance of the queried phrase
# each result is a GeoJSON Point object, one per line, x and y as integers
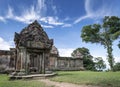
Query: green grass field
{"type": "Point", "coordinates": [5, 82]}
{"type": "Point", "coordinates": [103, 79]}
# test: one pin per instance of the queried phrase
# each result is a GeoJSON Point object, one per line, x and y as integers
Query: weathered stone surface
{"type": "Point", "coordinates": [33, 36]}
{"type": "Point", "coordinates": [4, 62]}
{"type": "Point", "coordinates": [54, 51]}
{"type": "Point", "coordinates": [32, 46]}
{"type": "Point", "coordinates": [5, 52]}
{"type": "Point", "coordinates": [65, 63]}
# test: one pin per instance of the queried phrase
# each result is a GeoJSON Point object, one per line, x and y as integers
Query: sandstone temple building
{"type": "Point", "coordinates": [34, 52]}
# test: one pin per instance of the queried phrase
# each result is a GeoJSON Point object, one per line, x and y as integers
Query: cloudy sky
{"type": "Point", "coordinates": [61, 19]}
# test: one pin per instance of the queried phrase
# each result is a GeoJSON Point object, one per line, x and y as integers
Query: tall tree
{"type": "Point", "coordinates": [99, 63]}
{"type": "Point", "coordinates": [87, 58]}
{"type": "Point", "coordinates": [104, 34]}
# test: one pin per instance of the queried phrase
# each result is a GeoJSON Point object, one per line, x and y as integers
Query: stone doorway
{"type": "Point", "coordinates": [36, 63]}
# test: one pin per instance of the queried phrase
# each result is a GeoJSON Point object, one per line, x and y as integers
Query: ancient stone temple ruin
{"type": "Point", "coordinates": [34, 53]}
{"type": "Point", "coordinates": [32, 49]}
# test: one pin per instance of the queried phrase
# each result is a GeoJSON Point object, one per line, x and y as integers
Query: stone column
{"type": "Point", "coordinates": [68, 63]}
{"type": "Point", "coordinates": [22, 57]}
{"type": "Point", "coordinates": [56, 62]}
{"type": "Point", "coordinates": [43, 71]}
{"type": "Point", "coordinates": [19, 60]}
{"type": "Point", "coordinates": [41, 58]}
{"type": "Point", "coordinates": [38, 58]}
{"type": "Point", "coordinates": [27, 61]}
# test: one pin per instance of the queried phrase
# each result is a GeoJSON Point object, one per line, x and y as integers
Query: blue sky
{"type": "Point", "coordinates": [61, 19]}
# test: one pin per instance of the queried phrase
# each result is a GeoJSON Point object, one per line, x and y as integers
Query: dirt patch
{"type": "Point", "coordinates": [63, 84]}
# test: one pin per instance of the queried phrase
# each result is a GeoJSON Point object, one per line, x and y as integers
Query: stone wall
{"type": "Point", "coordinates": [7, 60]}
{"type": "Point", "coordinates": [65, 63]}
{"type": "Point", "coordinates": [4, 62]}
{"type": "Point", "coordinates": [54, 62]}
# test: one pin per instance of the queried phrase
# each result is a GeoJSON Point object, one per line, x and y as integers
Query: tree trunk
{"type": "Point", "coordinates": [110, 56]}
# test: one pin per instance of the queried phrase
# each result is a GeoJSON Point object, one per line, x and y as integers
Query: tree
{"type": "Point", "coordinates": [87, 58]}
{"type": "Point", "coordinates": [116, 67]}
{"type": "Point", "coordinates": [99, 63]}
{"type": "Point", "coordinates": [104, 34]}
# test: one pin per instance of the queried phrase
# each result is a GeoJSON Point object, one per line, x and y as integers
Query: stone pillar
{"type": "Point", "coordinates": [56, 62]}
{"type": "Point", "coordinates": [22, 57]}
{"type": "Point", "coordinates": [38, 58]}
{"type": "Point", "coordinates": [27, 61]}
{"type": "Point", "coordinates": [41, 61]}
{"type": "Point", "coordinates": [43, 71]}
{"type": "Point", "coordinates": [15, 59]}
{"type": "Point", "coordinates": [18, 61]}
{"type": "Point", "coordinates": [68, 63]}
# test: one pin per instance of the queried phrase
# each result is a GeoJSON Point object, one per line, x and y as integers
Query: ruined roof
{"type": "Point", "coordinates": [54, 51]}
{"type": "Point", "coordinates": [33, 36]}
{"type": "Point", "coordinates": [5, 52]}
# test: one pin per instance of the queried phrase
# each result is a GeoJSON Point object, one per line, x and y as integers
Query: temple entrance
{"type": "Point", "coordinates": [32, 47]}
{"type": "Point", "coordinates": [36, 60]}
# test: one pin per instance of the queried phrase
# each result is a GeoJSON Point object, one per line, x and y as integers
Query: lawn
{"type": "Point", "coordinates": [5, 82]}
{"type": "Point", "coordinates": [103, 79]}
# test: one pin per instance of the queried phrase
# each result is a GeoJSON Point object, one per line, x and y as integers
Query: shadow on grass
{"type": "Point", "coordinates": [65, 74]}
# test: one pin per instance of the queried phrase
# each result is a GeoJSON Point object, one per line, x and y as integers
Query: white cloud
{"type": "Point", "coordinates": [81, 18]}
{"type": "Point", "coordinates": [28, 16]}
{"type": "Point", "coordinates": [51, 20]}
{"type": "Point", "coordinates": [35, 12]}
{"type": "Point", "coordinates": [4, 45]}
{"type": "Point", "coordinates": [47, 26]}
{"type": "Point", "coordinates": [89, 12]}
{"type": "Point", "coordinates": [65, 52]}
{"type": "Point", "coordinates": [10, 13]}
{"type": "Point", "coordinates": [54, 9]}
{"type": "Point", "coordinates": [94, 14]}
{"type": "Point", "coordinates": [67, 19]}
{"type": "Point", "coordinates": [41, 6]}
{"type": "Point", "coordinates": [117, 59]}
{"type": "Point", "coordinates": [2, 19]}
{"type": "Point", "coordinates": [88, 7]}
{"type": "Point", "coordinates": [67, 25]}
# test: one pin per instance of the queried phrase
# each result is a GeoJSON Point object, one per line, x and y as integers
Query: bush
{"type": "Point", "coordinates": [116, 67]}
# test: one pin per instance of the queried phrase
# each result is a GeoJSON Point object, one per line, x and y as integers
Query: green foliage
{"type": "Point", "coordinates": [89, 64]}
{"type": "Point", "coordinates": [104, 34]}
{"type": "Point", "coordinates": [84, 51]}
{"type": "Point", "coordinates": [102, 79]}
{"type": "Point", "coordinates": [116, 67]}
{"type": "Point", "coordinates": [90, 33]}
{"type": "Point", "coordinates": [112, 25]}
{"type": "Point", "coordinates": [99, 63]}
{"type": "Point", "coordinates": [87, 58]}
